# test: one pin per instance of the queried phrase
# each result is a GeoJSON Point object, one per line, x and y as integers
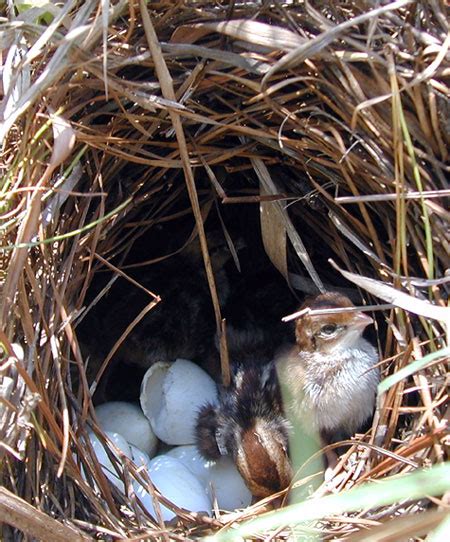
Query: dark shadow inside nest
{"type": "Point", "coordinates": [182, 324]}
{"type": "Point", "coordinates": [166, 259]}
{"type": "Point", "coordinates": [253, 295]}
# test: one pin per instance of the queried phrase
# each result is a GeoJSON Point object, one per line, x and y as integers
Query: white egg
{"type": "Point", "coordinates": [140, 458]}
{"type": "Point", "coordinates": [193, 460]}
{"type": "Point", "coordinates": [171, 396]}
{"type": "Point", "coordinates": [128, 420]}
{"type": "Point", "coordinates": [177, 483]}
{"type": "Point", "coordinates": [107, 465]}
{"type": "Point", "coordinates": [220, 478]}
{"type": "Point", "coordinates": [227, 485]}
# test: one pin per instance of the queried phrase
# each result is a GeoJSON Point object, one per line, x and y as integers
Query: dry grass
{"type": "Point", "coordinates": [340, 111]}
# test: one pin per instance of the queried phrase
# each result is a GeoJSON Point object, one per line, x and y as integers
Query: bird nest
{"type": "Point", "coordinates": [322, 129]}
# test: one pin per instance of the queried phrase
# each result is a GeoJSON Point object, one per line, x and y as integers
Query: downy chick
{"type": "Point", "coordinates": [331, 376]}
{"type": "Point", "coordinates": [248, 424]}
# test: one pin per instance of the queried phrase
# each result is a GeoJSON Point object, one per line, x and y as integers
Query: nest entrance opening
{"type": "Point", "coordinates": [163, 257]}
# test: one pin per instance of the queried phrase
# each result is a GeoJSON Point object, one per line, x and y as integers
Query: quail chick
{"type": "Point", "coordinates": [248, 424]}
{"type": "Point", "coordinates": [331, 376]}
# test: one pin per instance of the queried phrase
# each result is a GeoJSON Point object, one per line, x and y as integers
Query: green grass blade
{"type": "Point", "coordinates": [70, 233]}
{"type": "Point", "coordinates": [412, 368]}
{"type": "Point", "coordinates": [434, 481]}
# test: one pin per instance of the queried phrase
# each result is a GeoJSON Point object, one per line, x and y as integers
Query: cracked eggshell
{"type": "Point", "coordinates": [177, 483]}
{"type": "Point", "coordinates": [128, 420]}
{"type": "Point", "coordinates": [107, 465]}
{"type": "Point", "coordinates": [220, 478]}
{"type": "Point", "coordinates": [171, 396]}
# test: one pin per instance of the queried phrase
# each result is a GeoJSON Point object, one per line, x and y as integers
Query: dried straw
{"type": "Point", "coordinates": [110, 116]}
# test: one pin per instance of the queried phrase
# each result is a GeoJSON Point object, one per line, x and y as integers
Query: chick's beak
{"type": "Point", "coordinates": [362, 320]}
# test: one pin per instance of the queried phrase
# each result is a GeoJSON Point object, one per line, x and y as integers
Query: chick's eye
{"type": "Point", "coordinates": [328, 329]}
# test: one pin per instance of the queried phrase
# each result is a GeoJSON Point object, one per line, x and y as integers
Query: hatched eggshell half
{"type": "Point", "coordinates": [107, 465]}
{"type": "Point", "coordinates": [128, 420]}
{"type": "Point", "coordinates": [220, 478]}
{"type": "Point", "coordinates": [177, 483]}
{"type": "Point", "coordinates": [171, 396]}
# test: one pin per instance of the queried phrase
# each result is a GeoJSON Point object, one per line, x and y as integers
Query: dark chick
{"type": "Point", "coordinates": [253, 312]}
{"type": "Point", "coordinates": [248, 424]}
{"type": "Point", "coordinates": [181, 325]}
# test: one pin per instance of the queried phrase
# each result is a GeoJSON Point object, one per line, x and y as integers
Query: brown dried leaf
{"type": "Point", "coordinates": [63, 140]}
{"type": "Point", "coordinates": [273, 233]}
{"type": "Point", "coordinates": [282, 215]}
{"type": "Point", "coordinates": [253, 32]}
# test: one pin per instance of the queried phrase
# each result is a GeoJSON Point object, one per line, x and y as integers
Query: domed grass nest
{"type": "Point", "coordinates": [312, 133]}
